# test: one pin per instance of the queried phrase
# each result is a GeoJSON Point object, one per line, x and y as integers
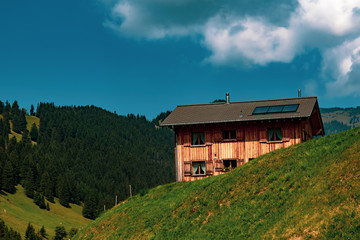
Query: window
{"type": "Point", "coordinates": [276, 109]}
{"type": "Point", "coordinates": [229, 164]}
{"type": "Point", "coordinates": [199, 168]}
{"type": "Point", "coordinates": [198, 138]}
{"type": "Point", "coordinates": [229, 135]}
{"type": "Point", "coordinates": [274, 134]}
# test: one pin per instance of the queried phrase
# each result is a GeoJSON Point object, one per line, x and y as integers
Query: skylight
{"type": "Point", "coordinates": [276, 109]}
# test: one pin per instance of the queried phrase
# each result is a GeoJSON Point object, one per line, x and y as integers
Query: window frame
{"type": "Point", "coordinates": [198, 141]}
{"type": "Point", "coordinates": [231, 162]}
{"type": "Point", "coordinates": [276, 135]}
{"type": "Point", "coordinates": [199, 168]}
{"type": "Point", "coordinates": [229, 134]}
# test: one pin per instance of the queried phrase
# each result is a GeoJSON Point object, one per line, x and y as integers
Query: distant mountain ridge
{"type": "Point", "coordinates": [340, 119]}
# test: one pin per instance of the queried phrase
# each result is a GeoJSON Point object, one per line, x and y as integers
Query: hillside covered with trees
{"type": "Point", "coordinates": [82, 154]}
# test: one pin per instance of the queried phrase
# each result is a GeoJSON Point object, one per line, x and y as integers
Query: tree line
{"type": "Point", "coordinates": [82, 154]}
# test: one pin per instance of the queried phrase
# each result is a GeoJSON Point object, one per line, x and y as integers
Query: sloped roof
{"type": "Point", "coordinates": [237, 111]}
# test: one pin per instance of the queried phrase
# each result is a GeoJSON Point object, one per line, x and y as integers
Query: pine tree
{"type": "Point", "coordinates": [29, 183]}
{"type": "Point", "coordinates": [43, 232]}
{"type": "Point", "coordinates": [8, 178]}
{"type": "Point", "coordinates": [60, 233]}
{"type": "Point", "coordinates": [19, 120]}
{"type": "Point", "coordinates": [63, 191]}
{"type": "Point", "coordinates": [90, 207]}
{"type": "Point", "coordinates": [34, 133]}
{"type": "Point", "coordinates": [32, 113]}
{"type": "Point", "coordinates": [2, 106]}
{"type": "Point", "coordinates": [39, 200]}
{"type": "Point", "coordinates": [25, 139]}
{"type": "Point", "coordinates": [30, 232]}
{"type": "Point", "coordinates": [46, 186]}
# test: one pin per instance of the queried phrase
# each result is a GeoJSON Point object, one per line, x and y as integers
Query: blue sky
{"type": "Point", "coordinates": [148, 56]}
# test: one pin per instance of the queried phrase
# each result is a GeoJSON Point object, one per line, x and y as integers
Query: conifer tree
{"type": "Point", "coordinates": [30, 232]}
{"type": "Point", "coordinates": [39, 200]}
{"type": "Point", "coordinates": [46, 186]}
{"type": "Point", "coordinates": [43, 232]}
{"type": "Point", "coordinates": [8, 179]}
{"type": "Point", "coordinates": [29, 183]}
{"type": "Point", "coordinates": [90, 207]}
{"type": "Point", "coordinates": [7, 107]}
{"type": "Point", "coordinates": [63, 191]}
{"type": "Point", "coordinates": [32, 112]}
{"type": "Point", "coordinates": [25, 139]}
{"type": "Point", "coordinates": [60, 233]}
{"type": "Point", "coordinates": [2, 106]}
{"type": "Point", "coordinates": [34, 133]}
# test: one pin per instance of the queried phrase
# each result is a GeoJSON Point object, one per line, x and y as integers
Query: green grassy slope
{"type": "Point", "coordinates": [310, 190]}
{"type": "Point", "coordinates": [17, 211]}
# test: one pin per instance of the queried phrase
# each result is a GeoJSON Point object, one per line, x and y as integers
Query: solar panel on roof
{"type": "Point", "coordinates": [290, 108]}
{"type": "Point", "coordinates": [260, 110]}
{"type": "Point", "coordinates": [276, 109]}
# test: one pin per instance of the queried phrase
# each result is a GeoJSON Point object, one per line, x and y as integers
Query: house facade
{"type": "Point", "coordinates": [211, 139]}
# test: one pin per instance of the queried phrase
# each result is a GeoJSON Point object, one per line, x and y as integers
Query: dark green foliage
{"type": "Point", "coordinates": [72, 232]}
{"type": "Point", "coordinates": [63, 191]}
{"type": "Point", "coordinates": [335, 127]}
{"type": "Point", "coordinates": [34, 133]}
{"type": "Point", "coordinates": [43, 232]}
{"type": "Point", "coordinates": [18, 118]}
{"type": "Point", "coordinates": [143, 192]}
{"type": "Point", "coordinates": [30, 232]}
{"type": "Point", "coordinates": [83, 150]}
{"type": "Point", "coordinates": [8, 178]}
{"type": "Point", "coordinates": [2, 106]}
{"type": "Point", "coordinates": [90, 207]}
{"type": "Point", "coordinates": [32, 112]}
{"type": "Point", "coordinates": [29, 183]}
{"type": "Point", "coordinates": [159, 118]}
{"type": "Point", "coordinates": [47, 186]}
{"type": "Point", "coordinates": [8, 234]}
{"type": "Point", "coordinates": [47, 207]}
{"type": "Point", "coordinates": [60, 233]}
{"type": "Point", "coordinates": [39, 200]}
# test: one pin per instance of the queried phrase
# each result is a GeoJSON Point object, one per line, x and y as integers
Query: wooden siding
{"type": "Point", "coordinates": [251, 142]}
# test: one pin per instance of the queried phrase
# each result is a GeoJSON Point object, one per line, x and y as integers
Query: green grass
{"type": "Point", "coordinates": [20, 210]}
{"type": "Point", "coordinates": [307, 191]}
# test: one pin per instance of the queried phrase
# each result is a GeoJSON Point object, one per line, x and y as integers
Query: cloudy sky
{"type": "Point", "coordinates": [148, 56]}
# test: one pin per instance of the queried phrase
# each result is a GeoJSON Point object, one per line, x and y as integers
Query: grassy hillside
{"type": "Point", "coordinates": [310, 190]}
{"type": "Point", "coordinates": [17, 210]}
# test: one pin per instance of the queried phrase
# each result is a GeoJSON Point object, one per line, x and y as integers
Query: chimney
{"type": "Point", "coordinates": [299, 93]}
{"type": "Point", "coordinates": [227, 98]}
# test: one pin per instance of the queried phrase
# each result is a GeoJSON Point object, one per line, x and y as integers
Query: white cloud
{"type": "Point", "coordinates": [343, 65]}
{"type": "Point", "coordinates": [256, 32]}
{"type": "Point", "coordinates": [248, 38]}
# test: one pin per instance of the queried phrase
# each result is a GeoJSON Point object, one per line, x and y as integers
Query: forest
{"type": "Point", "coordinates": [82, 155]}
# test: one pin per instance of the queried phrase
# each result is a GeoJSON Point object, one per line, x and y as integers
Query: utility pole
{"type": "Point", "coordinates": [115, 200]}
{"type": "Point", "coordinates": [130, 191]}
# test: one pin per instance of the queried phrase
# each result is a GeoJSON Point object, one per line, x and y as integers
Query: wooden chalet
{"type": "Point", "coordinates": [214, 138]}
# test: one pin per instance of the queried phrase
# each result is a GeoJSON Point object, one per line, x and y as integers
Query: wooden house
{"type": "Point", "coordinates": [211, 139]}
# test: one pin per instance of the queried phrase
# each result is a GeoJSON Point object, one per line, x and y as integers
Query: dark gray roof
{"type": "Point", "coordinates": [237, 111]}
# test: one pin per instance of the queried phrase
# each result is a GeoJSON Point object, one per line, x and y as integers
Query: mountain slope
{"type": "Point", "coordinates": [340, 119]}
{"type": "Point", "coordinates": [17, 211]}
{"type": "Point", "coordinates": [309, 190]}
